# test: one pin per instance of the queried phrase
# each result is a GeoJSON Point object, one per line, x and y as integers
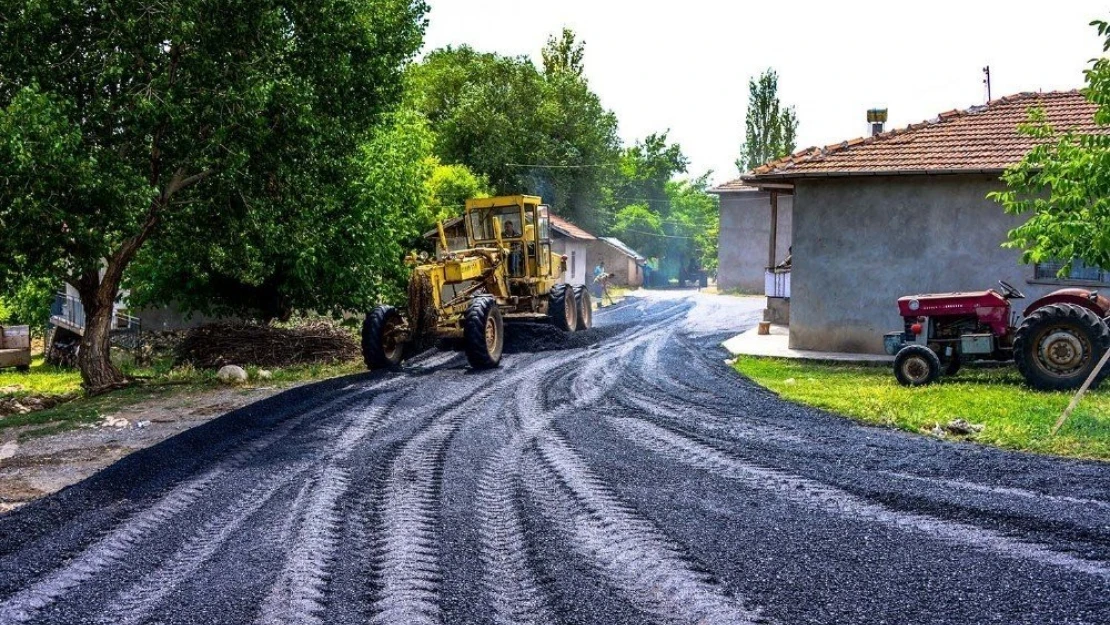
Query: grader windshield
{"type": "Point", "coordinates": [525, 230]}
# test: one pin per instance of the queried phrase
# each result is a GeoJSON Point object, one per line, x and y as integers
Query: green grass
{"type": "Point", "coordinates": [1013, 416]}
{"type": "Point", "coordinates": [40, 380]}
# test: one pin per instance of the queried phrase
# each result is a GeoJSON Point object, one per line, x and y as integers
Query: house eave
{"type": "Point", "coordinates": [785, 176]}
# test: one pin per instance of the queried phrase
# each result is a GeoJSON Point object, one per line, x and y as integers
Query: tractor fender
{"type": "Point", "coordinates": [1091, 300]}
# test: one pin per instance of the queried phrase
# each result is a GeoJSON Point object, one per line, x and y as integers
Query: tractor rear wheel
{"type": "Point", "coordinates": [585, 308]}
{"type": "Point", "coordinates": [1058, 346]}
{"type": "Point", "coordinates": [562, 308]}
{"type": "Point", "coordinates": [380, 347]}
{"type": "Point", "coordinates": [483, 333]}
{"type": "Point", "coordinates": [916, 365]}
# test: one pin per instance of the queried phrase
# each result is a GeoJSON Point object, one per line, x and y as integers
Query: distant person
{"type": "Point", "coordinates": [510, 230]}
{"type": "Point", "coordinates": [598, 288]}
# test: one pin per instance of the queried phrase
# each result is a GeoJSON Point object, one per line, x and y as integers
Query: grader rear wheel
{"type": "Point", "coordinates": [562, 309]}
{"type": "Point", "coordinates": [483, 333]}
{"type": "Point", "coordinates": [380, 347]}
{"type": "Point", "coordinates": [585, 308]}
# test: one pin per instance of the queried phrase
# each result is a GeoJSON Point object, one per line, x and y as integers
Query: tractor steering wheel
{"type": "Point", "coordinates": [1009, 292]}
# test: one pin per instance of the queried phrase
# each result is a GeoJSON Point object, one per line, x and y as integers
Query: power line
{"type": "Point", "coordinates": [588, 166]}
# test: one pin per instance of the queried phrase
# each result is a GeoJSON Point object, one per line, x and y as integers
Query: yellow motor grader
{"type": "Point", "coordinates": [505, 272]}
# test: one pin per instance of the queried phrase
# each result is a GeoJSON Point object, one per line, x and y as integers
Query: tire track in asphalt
{"type": "Point", "coordinates": [407, 554]}
{"type": "Point", "coordinates": [833, 500]}
{"type": "Point", "coordinates": [111, 549]}
{"type": "Point", "coordinates": [641, 562]}
{"type": "Point", "coordinates": [508, 579]}
{"type": "Point", "coordinates": [297, 597]}
{"type": "Point", "coordinates": [137, 603]}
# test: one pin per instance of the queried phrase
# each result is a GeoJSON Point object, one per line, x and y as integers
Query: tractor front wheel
{"type": "Point", "coordinates": [916, 365]}
{"type": "Point", "coordinates": [483, 333]}
{"type": "Point", "coordinates": [381, 347]}
{"type": "Point", "coordinates": [585, 308]}
{"type": "Point", "coordinates": [1058, 346]}
{"type": "Point", "coordinates": [562, 308]}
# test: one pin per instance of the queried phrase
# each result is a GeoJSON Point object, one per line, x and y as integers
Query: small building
{"type": "Point", "coordinates": [577, 245]}
{"type": "Point", "coordinates": [625, 264]}
{"type": "Point", "coordinates": [906, 211]}
{"type": "Point", "coordinates": [755, 233]}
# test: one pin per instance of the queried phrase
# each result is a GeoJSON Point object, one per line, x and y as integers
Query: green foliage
{"type": "Point", "coordinates": [520, 129]}
{"type": "Point", "coordinates": [661, 215]}
{"type": "Point", "coordinates": [345, 254]}
{"type": "Point", "coordinates": [1063, 183]}
{"type": "Point", "coordinates": [121, 125]}
{"type": "Point", "coordinates": [641, 228]}
{"type": "Point", "coordinates": [28, 304]}
{"type": "Point", "coordinates": [563, 55]}
{"type": "Point", "coordinates": [449, 186]}
{"type": "Point", "coordinates": [1014, 416]}
{"type": "Point", "coordinates": [770, 130]}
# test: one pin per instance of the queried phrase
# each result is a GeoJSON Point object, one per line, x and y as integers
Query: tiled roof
{"type": "Point", "coordinates": [568, 229]}
{"type": "Point", "coordinates": [980, 139]}
{"type": "Point", "coordinates": [734, 186]}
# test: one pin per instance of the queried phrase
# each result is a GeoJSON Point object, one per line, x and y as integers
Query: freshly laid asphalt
{"type": "Point", "coordinates": [623, 476]}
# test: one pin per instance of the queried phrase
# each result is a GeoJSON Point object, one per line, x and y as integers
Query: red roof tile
{"type": "Point", "coordinates": [734, 186]}
{"type": "Point", "coordinates": [569, 229]}
{"type": "Point", "coordinates": [980, 139]}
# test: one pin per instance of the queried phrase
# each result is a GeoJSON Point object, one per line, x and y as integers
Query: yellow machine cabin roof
{"type": "Point", "coordinates": [504, 200]}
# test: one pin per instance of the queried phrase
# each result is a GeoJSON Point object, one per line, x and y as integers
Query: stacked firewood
{"type": "Point", "coordinates": [218, 344]}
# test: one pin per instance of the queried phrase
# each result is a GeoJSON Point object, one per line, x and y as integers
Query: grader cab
{"type": "Point", "coordinates": [507, 272]}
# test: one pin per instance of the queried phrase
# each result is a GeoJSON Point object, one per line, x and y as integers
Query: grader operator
{"type": "Point", "coordinates": [506, 272]}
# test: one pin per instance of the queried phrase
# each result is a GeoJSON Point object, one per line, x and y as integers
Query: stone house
{"type": "Point", "coordinates": [906, 211]}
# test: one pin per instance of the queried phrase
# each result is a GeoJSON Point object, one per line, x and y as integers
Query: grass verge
{"type": "Point", "coordinates": [1013, 416]}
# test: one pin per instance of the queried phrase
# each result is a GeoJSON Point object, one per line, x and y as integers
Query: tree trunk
{"type": "Point", "coordinates": [98, 374]}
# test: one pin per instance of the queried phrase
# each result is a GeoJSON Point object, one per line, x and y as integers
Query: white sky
{"type": "Point", "coordinates": [685, 65]}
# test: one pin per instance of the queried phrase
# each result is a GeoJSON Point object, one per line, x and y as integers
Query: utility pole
{"type": "Point", "coordinates": [987, 81]}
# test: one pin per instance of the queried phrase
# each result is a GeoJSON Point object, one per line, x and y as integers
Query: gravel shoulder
{"type": "Point", "coordinates": [34, 467]}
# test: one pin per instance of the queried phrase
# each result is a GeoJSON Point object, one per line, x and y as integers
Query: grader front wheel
{"type": "Point", "coordinates": [483, 333]}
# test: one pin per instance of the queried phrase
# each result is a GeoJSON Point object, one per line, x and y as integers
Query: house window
{"type": "Point", "coordinates": [1080, 271]}
{"type": "Point", "coordinates": [573, 264]}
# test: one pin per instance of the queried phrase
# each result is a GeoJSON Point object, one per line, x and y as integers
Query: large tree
{"type": "Point", "coordinates": [122, 121]}
{"type": "Point", "coordinates": [1063, 184]}
{"type": "Point", "coordinates": [523, 130]}
{"type": "Point", "coordinates": [770, 129]}
{"type": "Point", "coordinates": [344, 253]}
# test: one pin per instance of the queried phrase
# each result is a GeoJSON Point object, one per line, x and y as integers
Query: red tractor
{"type": "Point", "coordinates": [1056, 346]}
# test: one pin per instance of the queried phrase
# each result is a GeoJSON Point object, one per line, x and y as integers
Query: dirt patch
{"type": "Point", "coordinates": [42, 465]}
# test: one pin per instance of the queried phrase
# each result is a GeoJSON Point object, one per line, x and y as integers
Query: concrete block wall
{"type": "Point", "coordinates": [862, 242]}
{"type": "Point", "coordinates": [745, 238]}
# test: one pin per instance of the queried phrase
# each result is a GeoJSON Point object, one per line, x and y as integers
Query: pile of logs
{"type": "Point", "coordinates": [219, 344]}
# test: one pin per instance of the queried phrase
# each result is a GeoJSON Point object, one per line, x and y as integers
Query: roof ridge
{"type": "Point", "coordinates": [943, 118]}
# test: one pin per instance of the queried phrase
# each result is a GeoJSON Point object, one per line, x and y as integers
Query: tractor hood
{"type": "Point", "coordinates": [965, 303]}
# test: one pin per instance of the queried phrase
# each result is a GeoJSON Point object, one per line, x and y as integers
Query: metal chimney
{"type": "Point", "coordinates": [877, 119]}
